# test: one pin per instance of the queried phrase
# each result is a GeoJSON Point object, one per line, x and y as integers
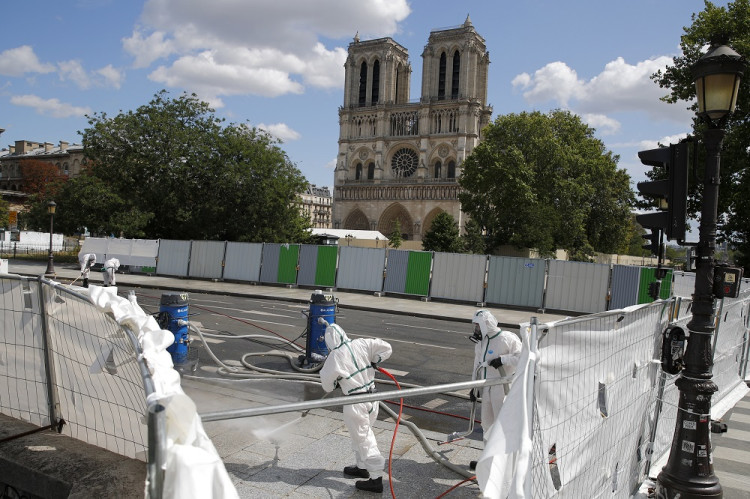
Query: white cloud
{"type": "Point", "coordinates": [20, 60]}
{"type": "Point", "coordinates": [73, 70]}
{"type": "Point", "coordinates": [49, 107]}
{"type": "Point", "coordinates": [331, 165]}
{"type": "Point", "coordinates": [147, 49]}
{"type": "Point", "coordinates": [260, 48]}
{"type": "Point", "coordinates": [111, 76]}
{"type": "Point", "coordinates": [620, 87]}
{"type": "Point", "coordinates": [602, 123]}
{"type": "Point", "coordinates": [280, 131]}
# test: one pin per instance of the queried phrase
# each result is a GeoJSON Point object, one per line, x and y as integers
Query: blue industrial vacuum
{"type": "Point", "coordinates": [173, 315]}
{"type": "Point", "coordinates": [322, 306]}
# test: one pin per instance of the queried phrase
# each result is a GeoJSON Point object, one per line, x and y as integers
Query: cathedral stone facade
{"type": "Point", "coordinates": [400, 159]}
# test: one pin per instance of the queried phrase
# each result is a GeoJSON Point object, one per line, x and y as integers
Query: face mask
{"type": "Point", "coordinates": [477, 336]}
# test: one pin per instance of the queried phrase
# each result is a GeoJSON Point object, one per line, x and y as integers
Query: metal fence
{"type": "Point", "coordinates": [67, 360]}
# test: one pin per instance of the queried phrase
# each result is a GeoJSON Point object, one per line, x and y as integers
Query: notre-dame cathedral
{"type": "Point", "coordinates": [400, 159]}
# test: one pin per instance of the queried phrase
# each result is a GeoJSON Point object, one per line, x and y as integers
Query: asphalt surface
{"type": "Point", "coordinates": [307, 462]}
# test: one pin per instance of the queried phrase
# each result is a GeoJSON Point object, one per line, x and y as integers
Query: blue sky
{"type": "Point", "coordinates": [278, 64]}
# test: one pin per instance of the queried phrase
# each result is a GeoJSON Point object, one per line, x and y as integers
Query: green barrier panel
{"type": "Point", "coordinates": [325, 266]}
{"type": "Point", "coordinates": [288, 256]}
{"type": "Point", "coordinates": [648, 275]}
{"type": "Point", "coordinates": [418, 273]}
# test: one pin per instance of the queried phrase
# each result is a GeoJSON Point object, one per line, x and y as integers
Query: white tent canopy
{"type": "Point", "coordinates": [356, 234]}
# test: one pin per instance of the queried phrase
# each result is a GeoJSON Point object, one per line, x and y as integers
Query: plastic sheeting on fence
{"type": "Point", "coordinates": [683, 283]}
{"type": "Point", "coordinates": [458, 277]}
{"type": "Point", "coordinates": [317, 266]}
{"type": "Point", "coordinates": [577, 286]}
{"type": "Point", "coordinates": [242, 261]}
{"type": "Point", "coordinates": [207, 259]}
{"type": "Point", "coordinates": [23, 385]}
{"type": "Point", "coordinates": [361, 268]}
{"type": "Point", "coordinates": [408, 272]}
{"type": "Point", "coordinates": [517, 282]}
{"type": "Point", "coordinates": [174, 257]}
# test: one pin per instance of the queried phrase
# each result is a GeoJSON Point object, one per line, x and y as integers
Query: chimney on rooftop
{"type": "Point", "coordinates": [63, 145]}
{"type": "Point", "coordinates": [12, 149]}
{"type": "Point", "coordinates": [48, 146]}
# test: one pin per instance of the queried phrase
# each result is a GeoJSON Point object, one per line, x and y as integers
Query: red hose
{"type": "Point", "coordinates": [395, 431]}
{"type": "Point", "coordinates": [455, 487]}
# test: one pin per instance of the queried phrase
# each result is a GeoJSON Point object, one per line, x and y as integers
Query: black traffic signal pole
{"type": "Point", "coordinates": [689, 471]}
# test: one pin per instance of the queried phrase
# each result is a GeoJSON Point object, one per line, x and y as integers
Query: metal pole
{"type": "Point", "coordinates": [52, 395]}
{"type": "Point", "coordinates": [157, 445]}
{"type": "Point", "coordinates": [349, 399]}
{"type": "Point", "coordinates": [689, 471]}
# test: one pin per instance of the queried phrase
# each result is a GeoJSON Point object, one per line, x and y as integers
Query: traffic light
{"type": "Point", "coordinates": [654, 241]}
{"type": "Point", "coordinates": [672, 190]}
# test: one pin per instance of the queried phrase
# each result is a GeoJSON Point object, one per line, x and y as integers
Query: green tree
{"type": "Point", "coordinates": [394, 238]}
{"type": "Point", "coordinates": [174, 170]}
{"type": "Point", "coordinates": [715, 23]}
{"type": "Point", "coordinates": [473, 239]}
{"type": "Point", "coordinates": [544, 181]}
{"type": "Point", "coordinates": [4, 213]}
{"type": "Point", "coordinates": [443, 235]}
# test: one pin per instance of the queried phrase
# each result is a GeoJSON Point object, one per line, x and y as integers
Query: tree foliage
{"type": "Point", "coordinates": [443, 235]}
{"type": "Point", "coordinates": [172, 169]}
{"type": "Point", "coordinates": [395, 238]}
{"type": "Point", "coordinates": [41, 177]}
{"type": "Point", "coordinates": [473, 239]}
{"type": "Point", "coordinates": [544, 181]}
{"type": "Point", "coordinates": [713, 24]}
{"type": "Point", "coordinates": [4, 213]}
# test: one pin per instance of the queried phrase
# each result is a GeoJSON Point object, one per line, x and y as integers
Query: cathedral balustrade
{"type": "Point", "coordinates": [387, 192]}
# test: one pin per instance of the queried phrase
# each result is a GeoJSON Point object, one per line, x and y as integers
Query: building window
{"type": "Point", "coordinates": [456, 73]}
{"type": "Point", "coordinates": [358, 172]}
{"type": "Point", "coordinates": [404, 163]}
{"type": "Point", "coordinates": [441, 77]}
{"type": "Point", "coordinates": [371, 171]}
{"type": "Point", "coordinates": [438, 168]}
{"type": "Point", "coordinates": [452, 169]}
{"type": "Point", "coordinates": [375, 82]}
{"type": "Point", "coordinates": [363, 84]}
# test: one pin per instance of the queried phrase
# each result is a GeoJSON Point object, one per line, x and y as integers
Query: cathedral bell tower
{"type": "Point", "coordinates": [399, 160]}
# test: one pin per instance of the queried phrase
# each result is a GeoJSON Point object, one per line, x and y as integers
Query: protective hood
{"type": "Point", "coordinates": [335, 337]}
{"type": "Point", "coordinates": [487, 322]}
{"type": "Point", "coordinates": [113, 263]}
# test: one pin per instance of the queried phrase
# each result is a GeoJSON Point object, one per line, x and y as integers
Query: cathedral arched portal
{"type": "Point", "coordinates": [388, 219]}
{"type": "Point", "coordinates": [356, 221]}
{"type": "Point", "coordinates": [428, 220]}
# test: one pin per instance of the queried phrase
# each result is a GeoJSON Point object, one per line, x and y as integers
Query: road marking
{"type": "Point", "coordinates": [396, 372]}
{"type": "Point", "coordinates": [403, 341]}
{"type": "Point", "coordinates": [257, 312]}
{"type": "Point", "coordinates": [434, 403]}
{"type": "Point", "coordinates": [208, 340]}
{"type": "Point", "coordinates": [427, 328]}
{"type": "Point", "coordinates": [262, 322]}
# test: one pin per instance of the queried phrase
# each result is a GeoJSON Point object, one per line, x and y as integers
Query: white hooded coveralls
{"type": "Point", "coordinates": [495, 343]}
{"type": "Point", "coordinates": [108, 271]}
{"type": "Point", "coordinates": [348, 366]}
{"type": "Point", "coordinates": [87, 261]}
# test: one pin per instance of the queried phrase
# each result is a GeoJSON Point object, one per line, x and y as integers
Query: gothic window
{"type": "Point", "coordinates": [404, 163]}
{"type": "Point", "coordinates": [358, 172]}
{"type": "Point", "coordinates": [375, 82]}
{"type": "Point", "coordinates": [405, 123]}
{"type": "Point", "coordinates": [456, 72]}
{"type": "Point", "coordinates": [452, 169]}
{"type": "Point", "coordinates": [363, 84]}
{"type": "Point", "coordinates": [438, 168]}
{"type": "Point", "coordinates": [371, 171]}
{"type": "Point", "coordinates": [441, 77]}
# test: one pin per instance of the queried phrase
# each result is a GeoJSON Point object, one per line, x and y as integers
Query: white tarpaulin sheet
{"type": "Point", "coordinates": [193, 467]}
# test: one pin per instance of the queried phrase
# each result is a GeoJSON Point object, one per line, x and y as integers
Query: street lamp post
{"type": "Point", "coordinates": [50, 264]}
{"type": "Point", "coordinates": [689, 471]}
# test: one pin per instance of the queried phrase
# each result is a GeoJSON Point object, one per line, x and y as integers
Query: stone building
{"type": "Point", "coordinates": [67, 158]}
{"type": "Point", "coordinates": [316, 204]}
{"type": "Point", "coordinates": [400, 159]}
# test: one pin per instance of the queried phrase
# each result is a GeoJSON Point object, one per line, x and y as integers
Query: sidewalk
{"type": "Point", "coordinates": [308, 461]}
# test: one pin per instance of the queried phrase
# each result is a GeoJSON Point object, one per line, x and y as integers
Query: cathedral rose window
{"type": "Point", "coordinates": [404, 163]}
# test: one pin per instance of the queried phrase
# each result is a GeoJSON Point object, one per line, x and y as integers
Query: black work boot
{"type": "Point", "coordinates": [356, 472]}
{"type": "Point", "coordinates": [85, 283]}
{"type": "Point", "coordinates": [472, 465]}
{"type": "Point", "coordinates": [371, 485]}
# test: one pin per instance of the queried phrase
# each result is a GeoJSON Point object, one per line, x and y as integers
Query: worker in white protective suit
{"type": "Point", "coordinates": [87, 261]}
{"type": "Point", "coordinates": [351, 366]}
{"type": "Point", "coordinates": [108, 271]}
{"type": "Point", "coordinates": [496, 355]}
